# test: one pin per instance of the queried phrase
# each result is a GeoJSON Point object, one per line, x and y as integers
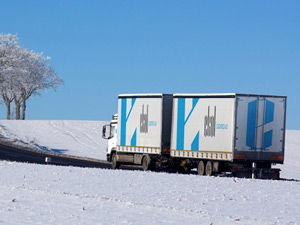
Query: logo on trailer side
{"type": "Point", "coordinates": [210, 123]}
{"type": "Point", "coordinates": [144, 120]}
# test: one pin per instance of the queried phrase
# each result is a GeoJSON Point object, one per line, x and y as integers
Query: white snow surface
{"type": "Point", "coordinates": [45, 194]}
{"type": "Point", "coordinates": [79, 138]}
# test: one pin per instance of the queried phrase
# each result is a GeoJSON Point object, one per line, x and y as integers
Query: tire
{"type": "Point", "coordinates": [146, 163]}
{"type": "Point", "coordinates": [201, 168]}
{"type": "Point", "coordinates": [114, 163]}
{"type": "Point", "coordinates": [209, 169]}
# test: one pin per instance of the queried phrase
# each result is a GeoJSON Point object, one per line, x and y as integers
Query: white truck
{"type": "Point", "coordinates": [215, 133]}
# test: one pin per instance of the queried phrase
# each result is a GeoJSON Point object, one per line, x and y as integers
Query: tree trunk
{"type": "Point", "coordinates": [18, 112]}
{"type": "Point", "coordinates": [18, 101]}
{"type": "Point", "coordinates": [7, 103]}
{"type": "Point", "coordinates": [18, 109]}
{"type": "Point", "coordinates": [23, 109]}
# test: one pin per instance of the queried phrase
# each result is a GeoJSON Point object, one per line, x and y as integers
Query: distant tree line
{"type": "Point", "coordinates": [23, 73]}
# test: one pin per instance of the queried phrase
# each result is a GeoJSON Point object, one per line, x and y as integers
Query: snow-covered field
{"type": "Point", "coordinates": [44, 194]}
{"type": "Point", "coordinates": [36, 194]}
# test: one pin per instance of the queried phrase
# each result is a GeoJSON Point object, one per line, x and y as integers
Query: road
{"type": "Point", "coordinates": [22, 154]}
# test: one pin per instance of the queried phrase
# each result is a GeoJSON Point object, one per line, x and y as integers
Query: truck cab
{"type": "Point", "coordinates": [109, 132]}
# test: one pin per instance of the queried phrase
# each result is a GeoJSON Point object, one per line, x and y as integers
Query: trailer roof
{"type": "Point", "coordinates": [223, 95]}
{"type": "Point", "coordinates": [204, 94]}
{"type": "Point", "coordinates": [207, 95]}
{"type": "Point", "coordinates": [143, 95]}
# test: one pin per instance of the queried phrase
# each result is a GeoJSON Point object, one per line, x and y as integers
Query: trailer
{"type": "Point", "coordinates": [228, 132]}
{"type": "Point", "coordinates": [215, 133]}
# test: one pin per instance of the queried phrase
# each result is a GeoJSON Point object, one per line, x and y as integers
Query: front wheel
{"type": "Point", "coordinates": [114, 163]}
{"type": "Point", "coordinates": [147, 164]}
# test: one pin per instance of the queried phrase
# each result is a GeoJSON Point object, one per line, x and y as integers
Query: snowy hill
{"type": "Point", "coordinates": [79, 138]}
{"type": "Point", "coordinates": [45, 194]}
{"type": "Point", "coordinates": [291, 167]}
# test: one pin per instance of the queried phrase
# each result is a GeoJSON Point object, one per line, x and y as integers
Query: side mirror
{"type": "Point", "coordinates": [106, 132]}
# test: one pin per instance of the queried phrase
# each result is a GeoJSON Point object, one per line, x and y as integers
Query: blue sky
{"type": "Point", "coordinates": [104, 48]}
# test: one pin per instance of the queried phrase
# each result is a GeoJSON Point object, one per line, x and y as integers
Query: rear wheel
{"type": "Point", "coordinates": [209, 169]}
{"type": "Point", "coordinates": [114, 163]}
{"type": "Point", "coordinates": [201, 168]}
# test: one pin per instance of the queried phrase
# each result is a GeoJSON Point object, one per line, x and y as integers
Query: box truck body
{"type": "Point", "coordinates": [144, 123]}
{"type": "Point", "coordinates": [228, 127]}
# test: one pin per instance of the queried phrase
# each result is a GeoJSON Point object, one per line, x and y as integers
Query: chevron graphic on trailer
{"type": "Point", "coordinates": [252, 126]}
{"type": "Point", "coordinates": [182, 119]}
{"type": "Point", "coordinates": [124, 119]}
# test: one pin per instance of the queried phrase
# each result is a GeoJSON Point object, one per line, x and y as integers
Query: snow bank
{"type": "Point", "coordinates": [36, 194]}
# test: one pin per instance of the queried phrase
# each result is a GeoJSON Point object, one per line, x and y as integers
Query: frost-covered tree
{"type": "Point", "coordinates": [23, 73]}
{"type": "Point", "coordinates": [38, 76]}
{"type": "Point", "coordinates": [9, 68]}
